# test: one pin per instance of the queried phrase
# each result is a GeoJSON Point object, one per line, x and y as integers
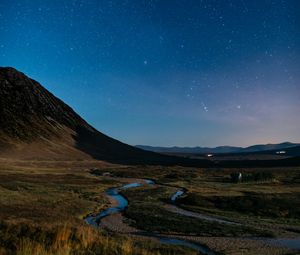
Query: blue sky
{"type": "Point", "coordinates": [165, 73]}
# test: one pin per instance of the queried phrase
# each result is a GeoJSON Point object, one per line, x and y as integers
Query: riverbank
{"type": "Point", "coordinates": [40, 198]}
{"type": "Point", "coordinates": [115, 222]}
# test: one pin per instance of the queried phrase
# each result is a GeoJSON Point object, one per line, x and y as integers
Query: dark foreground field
{"type": "Point", "coordinates": [43, 206]}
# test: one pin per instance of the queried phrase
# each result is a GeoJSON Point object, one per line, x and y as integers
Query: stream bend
{"type": "Point", "coordinates": [122, 203]}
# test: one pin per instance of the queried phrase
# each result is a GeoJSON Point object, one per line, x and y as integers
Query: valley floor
{"type": "Point", "coordinates": [40, 200]}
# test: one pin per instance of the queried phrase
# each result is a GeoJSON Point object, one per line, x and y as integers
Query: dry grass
{"type": "Point", "coordinates": [42, 206]}
{"type": "Point", "coordinates": [56, 192]}
{"type": "Point", "coordinates": [68, 240]}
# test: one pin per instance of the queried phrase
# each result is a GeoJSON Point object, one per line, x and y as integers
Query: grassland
{"type": "Point", "coordinates": [147, 212]}
{"type": "Point", "coordinates": [267, 208]}
{"type": "Point", "coordinates": [43, 204]}
{"type": "Point", "coordinates": [211, 190]}
{"type": "Point", "coordinates": [42, 207]}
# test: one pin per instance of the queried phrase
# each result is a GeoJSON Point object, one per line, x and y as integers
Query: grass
{"type": "Point", "coordinates": [146, 212]}
{"type": "Point", "coordinates": [40, 201]}
{"type": "Point", "coordinates": [37, 192]}
{"type": "Point", "coordinates": [260, 204]}
{"type": "Point", "coordinates": [43, 203]}
{"type": "Point", "coordinates": [65, 240]}
{"type": "Point", "coordinates": [285, 205]}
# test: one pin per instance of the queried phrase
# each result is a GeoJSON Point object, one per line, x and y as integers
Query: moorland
{"type": "Point", "coordinates": [44, 204]}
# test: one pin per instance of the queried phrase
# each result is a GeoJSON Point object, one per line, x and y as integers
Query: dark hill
{"type": "Point", "coordinates": [34, 124]}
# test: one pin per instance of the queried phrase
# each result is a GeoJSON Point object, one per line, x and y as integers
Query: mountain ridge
{"type": "Point", "coordinates": [35, 124]}
{"type": "Point", "coordinates": [219, 149]}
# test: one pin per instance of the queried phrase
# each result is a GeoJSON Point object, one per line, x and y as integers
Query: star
{"type": "Point", "coordinates": [205, 108]}
{"type": "Point", "coordinates": [197, 58]}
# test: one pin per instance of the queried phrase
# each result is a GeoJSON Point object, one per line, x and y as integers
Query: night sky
{"type": "Point", "coordinates": [165, 72]}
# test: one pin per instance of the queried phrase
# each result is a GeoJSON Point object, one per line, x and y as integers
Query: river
{"type": "Point", "coordinates": [122, 203]}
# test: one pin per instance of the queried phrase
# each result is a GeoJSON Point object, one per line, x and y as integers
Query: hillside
{"type": "Point", "coordinates": [34, 124]}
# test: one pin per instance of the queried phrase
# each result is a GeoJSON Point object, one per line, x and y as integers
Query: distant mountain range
{"type": "Point", "coordinates": [219, 149]}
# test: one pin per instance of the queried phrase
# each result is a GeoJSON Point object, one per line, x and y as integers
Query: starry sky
{"type": "Point", "coordinates": [165, 72]}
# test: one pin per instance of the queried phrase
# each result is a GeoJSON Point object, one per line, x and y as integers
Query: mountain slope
{"type": "Point", "coordinates": [34, 124]}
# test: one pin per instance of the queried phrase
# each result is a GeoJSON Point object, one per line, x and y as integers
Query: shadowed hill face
{"type": "Point", "coordinates": [31, 115]}
{"type": "Point", "coordinates": [34, 124]}
{"type": "Point", "coordinates": [28, 110]}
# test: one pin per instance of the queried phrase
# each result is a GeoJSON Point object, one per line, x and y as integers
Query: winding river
{"type": "Point", "coordinates": [122, 203]}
